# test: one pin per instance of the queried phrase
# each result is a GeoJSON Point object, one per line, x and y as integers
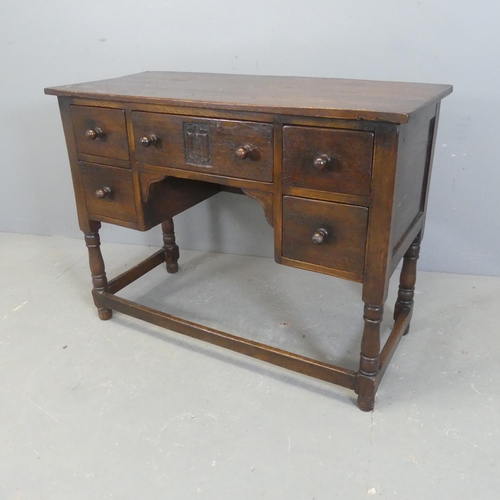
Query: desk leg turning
{"type": "Point", "coordinates": [97, 269]}
{"type": "Point", "coordinates": [370, 357]}
{"type": "Point", "coordinates": [171, 249]}
{"type": "Point", "coordinates": [407, 280]}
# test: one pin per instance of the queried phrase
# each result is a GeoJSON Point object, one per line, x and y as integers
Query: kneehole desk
{"type": "Point", "coordinates": [340, 167]}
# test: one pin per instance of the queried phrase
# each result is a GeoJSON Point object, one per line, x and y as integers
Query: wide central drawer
{"type": "Point", "coordinates": [223, 147]}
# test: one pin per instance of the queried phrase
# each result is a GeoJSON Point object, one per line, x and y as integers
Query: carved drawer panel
{"type": "Point", "coordinates": [100, 131]}
{"type": "Point", "coordinates": [109, 191]}
{"type": "Point", "coordinates": [222, 147]}
{"type": "Point", "coordinates": [327, 159]}
{"type": "Point", "coordinates": [324, 233]}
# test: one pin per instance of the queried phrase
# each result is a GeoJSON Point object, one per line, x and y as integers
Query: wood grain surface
{"type": "Point", "coordinates": [322, 97]}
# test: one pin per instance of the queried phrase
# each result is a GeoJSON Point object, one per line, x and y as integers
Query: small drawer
{"type": "Point", "coordinates": [327, 159]}
{"type": "Point", "coordinates": [100, 131]}
{"type": "Point", "coordinates": [109, 191]}
{"type": "Point", "coordinates": [222, 147]}
{"type": "Point", "coordinates": [327, 234]}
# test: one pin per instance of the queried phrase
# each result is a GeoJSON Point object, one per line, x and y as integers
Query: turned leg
{"type": "Point", "coordinates": [97, 270]}
{"type": "Point", "coordinates": [370, 357]}
{"type": "Point", "coordinates": [407, 279]}
{"type": "Point", "coordinates": [171, 249]}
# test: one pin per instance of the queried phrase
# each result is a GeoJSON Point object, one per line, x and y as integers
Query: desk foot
{"type": "Point", "coordinates": [366, 404]}
{"type": "Point", "coordinates": [104, 313]}
{"type": "Point", "coordinates": [171, 249]}
{"type": "Point", "coordinates": [407, 280]}
{"type": "Point", "coordinates": [365, 388]}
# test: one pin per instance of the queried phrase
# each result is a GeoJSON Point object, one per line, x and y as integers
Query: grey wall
{"type": "Point", "coordinates": [60, 42]}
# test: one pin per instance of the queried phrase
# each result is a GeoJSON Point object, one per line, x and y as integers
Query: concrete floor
{"type": "Point", "coordinates": [121, 409]}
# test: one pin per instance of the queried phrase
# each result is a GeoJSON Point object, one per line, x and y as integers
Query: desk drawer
{"type": "Point", "coordinates": [222, 147]}
{"type": "Point", "coordinates": [109, 191]}
{"type": "Point", "coordinates": [327, 159]}
{"type": "Point", "coordinates": [100, 131]}
{"type": "Point", "coordinates": [327, 234]}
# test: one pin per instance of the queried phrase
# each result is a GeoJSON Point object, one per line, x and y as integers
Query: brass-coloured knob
{"type": "Point", "coordinates": [103, 192]}
{"type": "Point", "coordinates": [148, 140]}
{"type": "Point", "coordinates": [322, 161]}
{"type": "Point", "coordinates": [94, 133]}
{"type": "Point", "coordinates": [245, 151]}
{"type": "Point", "coordinates": [319, 236]}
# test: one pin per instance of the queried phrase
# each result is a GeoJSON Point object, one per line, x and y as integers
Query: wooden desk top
{"type": "Point", "coordinates": [320, 97]}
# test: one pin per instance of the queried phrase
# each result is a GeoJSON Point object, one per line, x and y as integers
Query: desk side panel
{"type": "Point", "coordinates": [412, 179]}
{"type": "Point", "coordinates": [65, 109]}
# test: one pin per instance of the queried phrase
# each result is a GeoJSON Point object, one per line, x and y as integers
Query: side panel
{"type": "Point", "coordinates": [412, 176]}
{"type": "Point", "coordinates": [65, 108]}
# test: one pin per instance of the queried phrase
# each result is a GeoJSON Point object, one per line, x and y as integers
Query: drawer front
{"type": "Point", "coordinates": [224, 147]}
{"type": "Point", "coordinates": [100, 131]}
{"type": "Point", "coordinates": [109, 191]}
{"type": "Point", "coordinates": [327, 159]}
{"type": "Point", "coordinates": [327, 234]}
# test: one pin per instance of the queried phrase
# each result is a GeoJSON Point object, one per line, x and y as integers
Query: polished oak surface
{"type": "Point", "coordinates": [322, 97]}
{"type": "Point", "coordinates": [341, 169]}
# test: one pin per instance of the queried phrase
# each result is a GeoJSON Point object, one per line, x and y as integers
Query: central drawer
{"type": "Point", "coordinates": [222, 147]}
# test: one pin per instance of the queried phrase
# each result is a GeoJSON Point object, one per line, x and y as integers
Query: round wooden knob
{"type": "Point", "coordinates": [94, 133]}
{"type": "Point", "coordinates": [103, 192]}
{"type": "Point", "coordinates": [148, 140]}
{"type": "Point", "coordinates": [321, 162]}
{"type": "Point", "coordinates": [244, 151]}
{"type": "Point", "coordinates": [319, 236]}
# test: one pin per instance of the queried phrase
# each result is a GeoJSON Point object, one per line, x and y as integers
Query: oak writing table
{"type": "Point", "coordinates": [340, 167]}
